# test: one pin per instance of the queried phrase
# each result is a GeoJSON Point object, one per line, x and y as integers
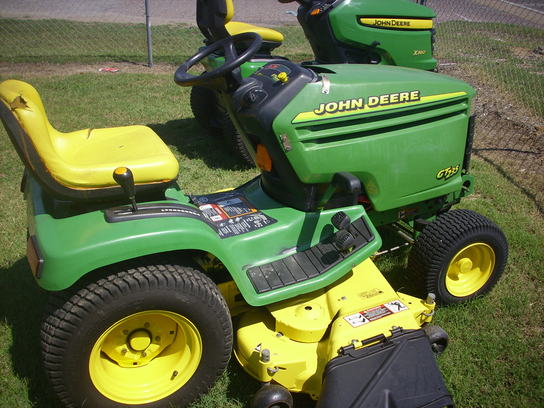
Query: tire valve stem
{"type": "Point", "coordinates": [174, 374]}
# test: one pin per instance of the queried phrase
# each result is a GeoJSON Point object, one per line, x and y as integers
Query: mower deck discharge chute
{"type": "Point", "coordinates": [147, 278]}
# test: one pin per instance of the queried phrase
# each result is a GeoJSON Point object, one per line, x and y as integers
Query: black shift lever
{"type": "Point", "coordinates": [123, 176]}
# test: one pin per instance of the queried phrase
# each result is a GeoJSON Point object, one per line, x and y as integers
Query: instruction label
{"type": "Point", "coordinates": [375, 313]}
{"type": "Point", "coordinates": [232, 213]}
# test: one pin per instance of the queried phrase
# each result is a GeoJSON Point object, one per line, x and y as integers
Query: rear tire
{"type": "Point", "coordinates": [462, 255]}
{"type": "Point", "coordinates": [153, 336]}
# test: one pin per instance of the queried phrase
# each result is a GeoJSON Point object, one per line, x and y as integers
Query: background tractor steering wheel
{"type": "Point", "coordinates": [233, 59]}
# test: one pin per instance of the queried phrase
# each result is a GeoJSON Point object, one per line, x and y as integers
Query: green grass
{"type": "Point", "coordinates": [501, 54]}
{"type": "Point", "coordinates": [496, 352]}
{"type": "Point", "coordinates": [60, 41]}
{"type": "Point", "coordinates": [495, 358]}
{"type": "Point", "coordinates": [496, 347]}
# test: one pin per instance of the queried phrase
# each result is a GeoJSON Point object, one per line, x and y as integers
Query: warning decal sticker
{"type": "Point", "coordinates": [375, 313]}
{"type": "Point", "coordinates": [232, 213]}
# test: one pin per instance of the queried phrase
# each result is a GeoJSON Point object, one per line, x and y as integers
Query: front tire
{"type": "Point", "coordinates": [204, 105]}
{"type": "Point", "coordinates": [154, 336]}
{"type": "Point", "coordinates": [462, 255]}
{"type": "Point", "coordinates": [233, 137]}
{"type": "Point", "coordinates": [216, 121]}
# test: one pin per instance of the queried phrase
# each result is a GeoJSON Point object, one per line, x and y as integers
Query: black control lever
{"type": "Point", "coordinates": [123, 176]}
{"type": "Point", "coordinates": [345, 182]}
{"type": "Point", "coordinates": [348, 183]}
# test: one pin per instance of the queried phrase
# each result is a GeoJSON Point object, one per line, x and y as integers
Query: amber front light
{"type": "Point", "coordinates": [264, 162]}
{"type": "Point", "coordinates": [34, 257]}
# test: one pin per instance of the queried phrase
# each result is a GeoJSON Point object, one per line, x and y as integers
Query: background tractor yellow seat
{"type": "Point", "coordinates": [267, 34]}
{"type": "Point", "coordinates": [271, 38]}
{"type": "Point", "coordinates": [80, 164]}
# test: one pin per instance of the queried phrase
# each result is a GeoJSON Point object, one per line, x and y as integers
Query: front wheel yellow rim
{"type": "Point", "coordinates": [145, 357]}
{"type": "Point", "coordinates": [470, 269]}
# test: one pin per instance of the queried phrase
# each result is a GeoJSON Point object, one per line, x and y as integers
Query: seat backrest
{"type": "Point", "coordinates": [230, 10]}
{"type": "Point", "coordinates": [211, 17]}
{"type": "Point", "coordinates": [23, 115]}
{"type": "Point", "coordinates": [27, 106]}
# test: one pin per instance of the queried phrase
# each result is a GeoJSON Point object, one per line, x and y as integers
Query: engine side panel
{"type": "Point", "coordinates": [402, 132]}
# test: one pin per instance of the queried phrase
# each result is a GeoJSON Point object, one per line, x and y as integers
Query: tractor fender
{"type": "Point", "coordinates": [73, 246]}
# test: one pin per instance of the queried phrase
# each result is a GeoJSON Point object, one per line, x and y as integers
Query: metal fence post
{"type": "Point", "coordinates": [148, 31]}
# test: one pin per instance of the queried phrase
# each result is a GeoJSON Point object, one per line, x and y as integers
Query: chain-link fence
{"type": "Point", "coordinates": [496, 45]}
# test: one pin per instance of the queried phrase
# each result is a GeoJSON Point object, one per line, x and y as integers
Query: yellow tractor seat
{"type": "Point", "coordinates": [267, 34]}
{"type": "Point", "coordinates": [80, 164]}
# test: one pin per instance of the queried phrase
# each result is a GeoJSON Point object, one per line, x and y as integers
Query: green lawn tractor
{"type": "Point", "coordinates": [153, 289]}
{"type": "Point", "coordinates": [396, 32]}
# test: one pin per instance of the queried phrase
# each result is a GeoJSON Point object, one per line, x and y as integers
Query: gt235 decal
{"type": "Point", "coordinates": [447, 173]}
{"type": "Point", "coordinates": [356, 106]}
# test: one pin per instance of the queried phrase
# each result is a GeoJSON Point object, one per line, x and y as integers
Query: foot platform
{"type": "Point", "coordinates": [307, 264]}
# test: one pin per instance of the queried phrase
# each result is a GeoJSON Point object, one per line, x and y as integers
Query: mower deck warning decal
{"type": "Point", "coordinates": [375, 313]}
{"type": "Point", "coordinates": [232, 213]}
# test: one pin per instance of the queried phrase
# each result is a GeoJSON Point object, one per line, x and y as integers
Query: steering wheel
{"type": "Point", "coordinates": [232, 59]}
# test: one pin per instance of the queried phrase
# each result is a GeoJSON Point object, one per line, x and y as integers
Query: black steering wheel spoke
{"type": "Point", "coordinates": [250, 43]}
{"type": "Point", "coordinates": [230, 52]}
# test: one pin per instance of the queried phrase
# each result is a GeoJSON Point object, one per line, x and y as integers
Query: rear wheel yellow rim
{"type": "Point", "coordinates": [470, 269]}
{"type": "Point", "coordinates": [145, 357]}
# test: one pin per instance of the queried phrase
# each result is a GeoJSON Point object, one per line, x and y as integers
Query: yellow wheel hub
{"type": "Point", "coordinates": [470, 269]}
{"type": "Point", "coordinates": [139, 340]}
{"type": "Point", "coordinates": [145, 357]}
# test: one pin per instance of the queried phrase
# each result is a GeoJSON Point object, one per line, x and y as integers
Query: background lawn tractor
{"type": "Point", "coordinates": [143, 295]}
{"type": "Point", "coordinates": [396, 32]}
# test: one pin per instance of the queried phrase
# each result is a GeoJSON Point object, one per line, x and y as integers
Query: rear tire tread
{"type": "Point", "coordinates": [66, 311]}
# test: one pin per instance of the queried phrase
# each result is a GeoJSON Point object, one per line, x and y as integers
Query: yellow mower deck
{"type": "Point", "coordinates": [291, 342]}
